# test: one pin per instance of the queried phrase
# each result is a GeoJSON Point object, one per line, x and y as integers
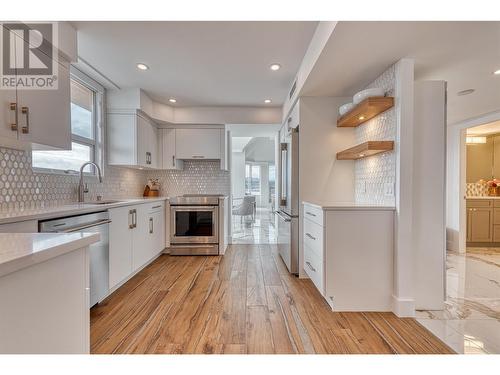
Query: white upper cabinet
{"type": "Point", "coordinates": [36, 118]}
{"type": "Point", "coordinates": [167, 150]}
{"type": "Point", "coordinates": [44, 117]}
{"type": "Point", "coordinates": [132, 140]}
{"type": "Point", "coordinates": [197, 143]}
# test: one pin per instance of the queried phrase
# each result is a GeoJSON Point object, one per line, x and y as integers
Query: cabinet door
{"type": "Point", "coordinates": [481, 224]}
{"type": "Point", "coordinates": [44, 116]}
{"type": "Point", "coordinates": [141, 240]}
{"type": "Point", "coordinates": [120, 244]}
{"type": "Point", "coordinates": [157, 232]}
{"type": "Point", "coordinates": [143, 139]}
{"type": "Point", "coordinates": [198, 143]}
{"type": "Point", "coordinates": [153, 146]}
{"type": "Point", "coordinates": [7, 116]}
{"type": "Point", "coordinates": [167, 150]}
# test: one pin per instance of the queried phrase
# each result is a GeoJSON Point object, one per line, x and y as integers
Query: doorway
{"type": "Point", "coordinates": [253, 184]}
{"type": "Point", "coordinates": [470, 321]}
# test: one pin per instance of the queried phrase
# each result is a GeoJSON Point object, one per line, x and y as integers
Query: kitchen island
{"type": "Point", "coordinates": [44, 293]}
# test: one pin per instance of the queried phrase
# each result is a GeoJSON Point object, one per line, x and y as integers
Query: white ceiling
{"type": "Point", "coordinates": [463, 53]}
{"type": "Point", "coordinates": [199, 63]}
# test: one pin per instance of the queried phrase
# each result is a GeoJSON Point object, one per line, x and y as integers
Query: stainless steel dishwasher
{"type": "Point", "coordinates": [99, 251]}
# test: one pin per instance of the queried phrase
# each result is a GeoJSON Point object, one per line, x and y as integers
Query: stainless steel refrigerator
{"type": "Point", "coordinates": [288, 213]}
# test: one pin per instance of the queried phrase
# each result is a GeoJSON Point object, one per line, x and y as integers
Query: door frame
{"type": "Point", "coordinates": [456, 222]}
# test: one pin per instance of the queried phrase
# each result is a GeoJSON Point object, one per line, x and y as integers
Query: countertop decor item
{"type": "Point", "coordinates": [345, 108]}
{"type": "Point", "coordinates": [368, 93]}
{"type": "Point", "coordinates": [152, 189]}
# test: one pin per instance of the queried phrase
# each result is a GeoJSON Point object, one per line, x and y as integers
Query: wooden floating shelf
{"type": "Point", "coordinates": [365, 149]}
{"type": "Point", "coordinates": [364, 111]}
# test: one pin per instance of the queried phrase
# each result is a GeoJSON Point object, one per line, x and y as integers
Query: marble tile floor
{"type": "Point", "coordinates": [470, 322]}
{"type": "Point", "coordinates": [260, 231]}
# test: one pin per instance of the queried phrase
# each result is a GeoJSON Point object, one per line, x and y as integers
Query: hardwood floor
{"type": "Point", "coordinates": [243, 302]}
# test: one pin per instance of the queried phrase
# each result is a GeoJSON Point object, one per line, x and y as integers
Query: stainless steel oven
{"type": "Point", "coordinates": [194, 225]}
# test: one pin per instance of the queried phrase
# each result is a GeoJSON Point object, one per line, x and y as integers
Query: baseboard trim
{"type": "Point", "coordinates": [403, 307]}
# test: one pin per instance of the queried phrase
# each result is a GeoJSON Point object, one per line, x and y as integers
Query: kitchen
{"type": "Point", "coordinates": [119, 187]}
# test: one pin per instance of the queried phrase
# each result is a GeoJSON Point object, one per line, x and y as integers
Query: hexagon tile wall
{"type": "Point", "coordinates": [21, 187]}
{"type": "Point", "coordinates": [371, 174]}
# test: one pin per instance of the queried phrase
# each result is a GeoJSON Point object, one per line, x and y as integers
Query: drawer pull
{"type": "Point", "coordinates": [311, 267]}
{"type": "Point", "coordinates": [310, 213]}
{"type": "Point", "coordinates": [310, 236]}
{"type": "Point", "coordinates": [156, 206]}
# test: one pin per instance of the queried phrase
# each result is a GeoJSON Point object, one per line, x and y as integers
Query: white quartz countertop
{"type": "Point", "coordinates": [21, 250]}
{"type": "Point", "coordinates": [13, 216]}
{"type": "Point", "coordinates": [483, 197]}
{"type": "Point", "coordinates": [342, 206]}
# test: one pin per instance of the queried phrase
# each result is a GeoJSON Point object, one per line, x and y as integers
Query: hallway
{"type": "Point", "coordinates": [260, 231]}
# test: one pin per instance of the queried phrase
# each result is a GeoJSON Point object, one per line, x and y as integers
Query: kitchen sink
{"type": "Point", "coordinates": [101, 202]}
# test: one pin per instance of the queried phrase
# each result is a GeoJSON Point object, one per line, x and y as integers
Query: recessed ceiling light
{"type": "Point", "coordinates": [275, 66]}
{"type": "Point", "coordinates": [172, 100]}
{"type": "Point", "coordinates": [496, 72]}
{"type": "Point", "coordinates": [361, 117]}
{"type": "Point", "coordinates": [267, 101]}
{"type": "Point", "coordinates": [142, 66]}
{"type": "Point", "coordinates": [465, 92]}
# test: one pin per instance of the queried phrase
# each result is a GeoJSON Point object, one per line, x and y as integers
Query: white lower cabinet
{"type": "Point", "coordinates": [136, 236]}
{"type": "Point", "coordinates": [120, 244]}
{"type": "Point", "coordinates": [348, 255]}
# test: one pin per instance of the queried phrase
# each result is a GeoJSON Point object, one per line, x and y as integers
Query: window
{"type": "Point", "coordinates": [252, 179]}
{"type": "Point", "coordinates": [86, 100]}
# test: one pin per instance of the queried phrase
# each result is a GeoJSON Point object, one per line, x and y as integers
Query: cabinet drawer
{"type": "Point", "coordinates": [314, 214]}
{"type": "Point", "coordinates": [496, 202]}
{"type": "Point", "coordinates": [313, 267]}
{"type": "Point", "coordinates": [479, 202]}
{"type": "Point", "coordinates": [496, 216]}
{"type": "Point", "coordinates": [496, 233]}
{"type": "Point", "coordinates": [313, 237]}
{"type": "Point", "coordinates": [155, 207]}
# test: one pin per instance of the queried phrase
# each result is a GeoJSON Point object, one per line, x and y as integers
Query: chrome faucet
{"type": "Point", "coordinates": [82, 189]}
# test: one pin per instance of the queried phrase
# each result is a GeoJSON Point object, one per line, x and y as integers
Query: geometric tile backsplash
{"type": "Point", "coordinates": [373, 173]}
{"type": "Point", "coordinates": [197, 177]}
{"type": "Point", "coordinates": [21, 187]}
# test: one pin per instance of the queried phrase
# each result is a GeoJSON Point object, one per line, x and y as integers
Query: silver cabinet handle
{"type": "Point", "coordinates": [151, 228]}
{"type": "Point", "coordinates": [81, 227]}
{"type": "Point", "coordinates": [134, 218]}
{"type": "Point", "coordinates": [130, 219]}
{"type": "Point", "coordinates": [26, 111]}
{"type": "Point", "coordinates": [310, 236]}
{"type": "Point", "coordinates": [311, 267]}
{"type": "Point", "coordinates": [198, 157]}
{"type": "Point", "coordinates": [310, 213]}
{"type": "Point", "coordinates": [156, 206]}
{"type": "Point", "coordinates": [13, 125]}
{"type": "Point", "coordinates": [173, 160]}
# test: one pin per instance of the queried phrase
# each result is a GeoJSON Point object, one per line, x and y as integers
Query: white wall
{"type": "Point", "coordinates": [429, 194]}
{"type": "Point", "coordinates": [238, 174]}
{"type": "Point", "coordinates": [322, 178]}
